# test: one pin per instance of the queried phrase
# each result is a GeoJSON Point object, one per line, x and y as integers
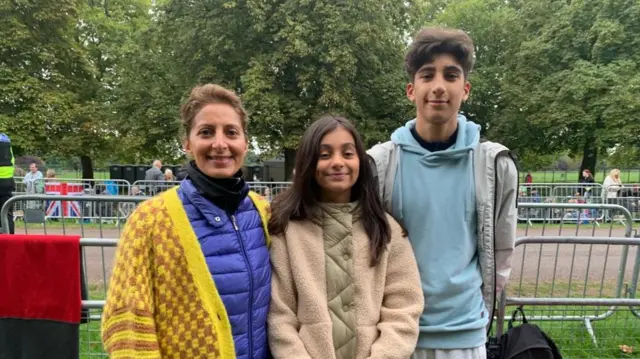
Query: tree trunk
{"type": "Point", "coordinates": [87, 167]}
{"type": "Point", "coordinates": [289, 163]}
{"type": "Point", "coordinates": [589, 157]}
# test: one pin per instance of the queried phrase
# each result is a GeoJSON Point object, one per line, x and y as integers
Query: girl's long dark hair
{"type": "Point", "coordinates": [299, 201]}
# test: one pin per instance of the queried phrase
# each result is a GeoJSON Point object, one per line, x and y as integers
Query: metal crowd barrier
{"type": "Point", "coordinates": [105, 211]}
{"type": "Point", "coordinates": [575, 193]}
{"type": "Point", "coordinates": [151, 188]}
{"type": "Point", "coordinates": [269, 189]}
{"type": "Point", "coordinates": [570, 272]}
{"type": "Point", "coordinates": [90, 334]}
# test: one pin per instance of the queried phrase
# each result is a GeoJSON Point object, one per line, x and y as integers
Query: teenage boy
{"type": "Point", "coordinates": [454, 195]}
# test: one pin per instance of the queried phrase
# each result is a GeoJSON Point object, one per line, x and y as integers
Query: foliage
{"type": "Point", "coordinates": [42, 72]}
{"type": "Point", "coordinates": [569, 83]}
{"type": "Point", "coordinates": [103, 80]}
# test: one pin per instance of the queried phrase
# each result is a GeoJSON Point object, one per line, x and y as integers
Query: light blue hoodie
{"type": "Point", "coordinates": [434, 199]}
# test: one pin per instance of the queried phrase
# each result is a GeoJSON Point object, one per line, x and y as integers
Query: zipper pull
{"type": "Point", "coordinates": [233, 220]}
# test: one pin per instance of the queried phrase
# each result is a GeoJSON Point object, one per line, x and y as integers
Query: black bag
{"type": "Point", "coordinates": [526, 341]}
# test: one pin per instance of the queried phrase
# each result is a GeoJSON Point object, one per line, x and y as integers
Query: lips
{"type": "Point", "coordinates": [220, 160]}
{"type": "Point", "coordinates": [336, 176]}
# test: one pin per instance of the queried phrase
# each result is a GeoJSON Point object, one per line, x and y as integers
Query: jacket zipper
{"type": "Point", "coordinates": [246, 259]}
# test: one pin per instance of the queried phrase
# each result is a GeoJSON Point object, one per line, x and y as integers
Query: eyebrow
{"type": "Point", "coordinates": [431, 67]}
{"type": "Point", "coordinates": [346, 144]}
{"type": "Point", "coordinates": [228, 125]}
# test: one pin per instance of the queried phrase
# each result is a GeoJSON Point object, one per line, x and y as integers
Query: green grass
{"type": "Point", "coordinates": [572, 337]}
{"type": "Point", "coordinates": [90, 341]}
{"type": "Point", "coordinates": [90, 338]}
{"type": "Point", "coordinates": [627, 176]}
{"type": "Point", "coordinates": [97, 174]}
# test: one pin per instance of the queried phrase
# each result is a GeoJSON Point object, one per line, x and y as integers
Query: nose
{"type": "Point", "coordinates": [438, 88]}
{"type": "Point", "coordinates": [337, 162]}
{"type": "Point", "coordinates": [219, 142]}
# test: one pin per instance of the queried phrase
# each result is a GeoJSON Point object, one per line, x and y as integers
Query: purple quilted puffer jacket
{"type": "Point", "coordinates": [235, 250]}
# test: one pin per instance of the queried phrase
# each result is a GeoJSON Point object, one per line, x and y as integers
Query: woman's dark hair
{"type": "Point", "coordinates": [300, 200]}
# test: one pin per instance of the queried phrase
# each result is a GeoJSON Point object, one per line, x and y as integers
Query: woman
{"type": "Point", "coordinates": [168, 175]}
{"type": "Point", "coordinates": [587, 182]}
{"type": "Point", "coordinates": [345, 280]}
{"type": "Point", "coordinates": [192, 277]}
{"type": "Point", "coordinates": [612, 185]}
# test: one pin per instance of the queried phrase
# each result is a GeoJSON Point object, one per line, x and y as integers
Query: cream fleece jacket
{"type": "Point", "coordinates": [388, 297]}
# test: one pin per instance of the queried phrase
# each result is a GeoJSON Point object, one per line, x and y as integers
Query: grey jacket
{"type": "Point", "coordinates": [154, 174]}
{"type": "Point", "coordinates": [496, 178]}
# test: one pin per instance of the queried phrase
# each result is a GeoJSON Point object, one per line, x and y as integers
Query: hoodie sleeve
{"type": "Point", "coordinates": [507, 218]}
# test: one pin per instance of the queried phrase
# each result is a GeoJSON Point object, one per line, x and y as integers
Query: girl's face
{"type": "Point", "coordinates": [338, 166]}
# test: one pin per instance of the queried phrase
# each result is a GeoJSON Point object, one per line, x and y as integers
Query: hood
{"type": "Point", "coordinates": [466, 141]}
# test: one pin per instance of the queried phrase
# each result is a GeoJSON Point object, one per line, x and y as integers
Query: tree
{"type": "Point", "coordinates": [42, 72]}
{"type": "Point", "coordinates": [325, 57]}
{"type": "Point", "coordinates": [293, 60]}
{"type": "Point", "coordinates": [147, 98]}
{"type": "Point", "coordinates": [107, 30]}
{"type": "Point", "coordinates": [60, 68]}
{"type": "Point", "coordinates": [569, 84]}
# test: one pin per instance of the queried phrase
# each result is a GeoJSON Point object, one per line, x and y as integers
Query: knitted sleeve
{"type": "Point", "coordinates": [128, 327]}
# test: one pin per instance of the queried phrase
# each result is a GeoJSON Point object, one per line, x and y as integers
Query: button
{"type": "Point", "coordinates": [217, 219]}
{"type": "Point", "coordinates": [346, 209]}
{"type": "Point", "coordinates": [346, 256]}
{"type": "Point", "coordinates": [346, 308]}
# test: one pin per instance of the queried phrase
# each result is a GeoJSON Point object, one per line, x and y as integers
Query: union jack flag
{"type": "Point", "coordinates": [59, 209]}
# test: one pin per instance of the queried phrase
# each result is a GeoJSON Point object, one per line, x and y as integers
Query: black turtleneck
{"type": "Point", "coordinates": [225, 193]}
{"type": "Point", "coordinates": [435, 146]}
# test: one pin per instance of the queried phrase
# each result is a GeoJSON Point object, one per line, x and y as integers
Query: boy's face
{"type": "Point", "coordinates": [438, 89]}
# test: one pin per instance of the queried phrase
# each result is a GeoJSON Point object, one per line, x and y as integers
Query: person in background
{"type": "Point", "coordinates": [612, 185]}
{"type": "Point", "coordinates": [345, 280]}
{"type": "Point", "coordinates": [168, 175]}
{"type": "Point", "coordinates": [529, 178]}
{"type": "Point", "coordinates": [136, 191]}
{"type": "Point", "coordinates": [33, 180]}
{"type": "Point", "coordinates": [192, 277]}
{"type": "Point", "coordinates": [587, 181]}
{"type": "Point", "coordinates": [153, 174]}
{"type": "Point", "coordinates": [18, 172]}
{"type": "Point", "coordinates": [7, 183]}
{"type": "Point", "coordinates": [267, 194]}
{"type": "Point", "coordinates": [51, 173]}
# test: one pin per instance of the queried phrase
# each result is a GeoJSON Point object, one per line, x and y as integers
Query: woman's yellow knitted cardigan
{"type": "Point", "coordinates": [162, 302]}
